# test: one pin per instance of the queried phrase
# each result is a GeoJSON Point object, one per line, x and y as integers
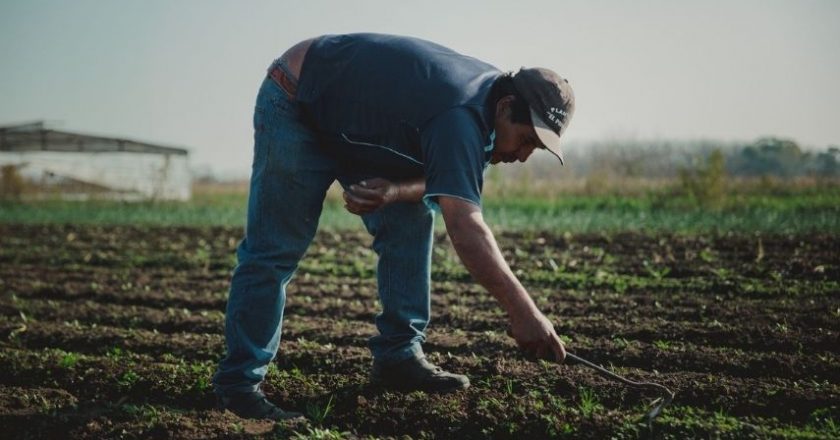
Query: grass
{"type": "Point", "coordinates": [806, 210]}
{"type": "Point", "coordinates": [657, 212]}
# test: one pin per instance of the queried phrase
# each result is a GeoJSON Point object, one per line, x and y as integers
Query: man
{"type": "Point", "coordinates": [407, 127]}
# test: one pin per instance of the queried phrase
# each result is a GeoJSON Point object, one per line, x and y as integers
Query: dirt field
{"type": "Point", "coordinates": [113, 332]}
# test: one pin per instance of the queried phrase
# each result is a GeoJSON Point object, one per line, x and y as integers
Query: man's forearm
{"type": "Point", "coordinates": [478, 250]}
{"type": "Point", "coordinates": [411, 190]}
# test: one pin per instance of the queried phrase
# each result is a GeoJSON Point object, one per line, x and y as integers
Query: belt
{"type": "Point", "coordinates": [286, 82]}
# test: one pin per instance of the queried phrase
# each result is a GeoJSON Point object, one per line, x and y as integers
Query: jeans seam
{"type": "Point", "coordinates": [384, 227]}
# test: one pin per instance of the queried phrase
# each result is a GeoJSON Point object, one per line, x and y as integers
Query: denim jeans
{"type": "Point", "coordinates": [289, 180]}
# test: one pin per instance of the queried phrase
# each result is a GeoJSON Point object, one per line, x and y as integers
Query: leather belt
{"type": "Point", "coordinates": [288, 84]}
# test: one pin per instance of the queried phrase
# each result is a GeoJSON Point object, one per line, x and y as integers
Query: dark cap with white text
{"type": "Point", "coordinates": [552, 104]}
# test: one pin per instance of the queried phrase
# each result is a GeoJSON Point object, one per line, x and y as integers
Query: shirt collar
{"type": "Point", "coordinates": [489, 147]}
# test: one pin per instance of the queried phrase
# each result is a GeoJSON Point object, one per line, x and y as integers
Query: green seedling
{"type": "Point", "coordinates": [116, 353]}
{"type": "Point", "coordinates": [128, 379]}
{"type": "Point", "coordinates": [509, 387]}
{"type": "Point", "coordinates": [589, 403]}
{"type": "Point", "coordinates": [318, 414]}
{"type": "Point", "coordinates": [707, 255]}
{"type": "Point", "coordinates": [621, 342]}
{"type": "Point", "coordinates": [320, 434]}
{"type": "Point", "coordinates": [69, 360]}
{"type": "Point", "coordinates": [202, 374]}
{"type": "Point", "coordinates": [662, 344]}
{"type": "Point", "coordinates": [656, 273]}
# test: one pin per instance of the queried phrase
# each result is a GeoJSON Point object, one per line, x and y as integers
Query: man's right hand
{"type": "Point", "coordinates": [535, 335]}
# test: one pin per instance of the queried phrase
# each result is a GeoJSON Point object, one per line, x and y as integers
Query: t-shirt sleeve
{"type": "Point", "coordinates": [453, 157]}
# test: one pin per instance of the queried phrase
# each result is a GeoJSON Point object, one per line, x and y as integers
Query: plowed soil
{"type": "Point", "coordinates": [114, 332]}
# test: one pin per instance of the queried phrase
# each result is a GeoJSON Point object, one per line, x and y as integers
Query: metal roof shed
{"type": "Point", "coordinates": [129, 169]}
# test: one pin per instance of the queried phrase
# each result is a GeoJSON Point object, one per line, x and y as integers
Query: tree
{"type": "Point", "coordinates": [828, 163]}
{"type": "Point", "coordinates": [772, 156]}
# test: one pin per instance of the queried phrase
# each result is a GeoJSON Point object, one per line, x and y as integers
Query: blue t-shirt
{"type": "Point", "coordinates": [400, 107]}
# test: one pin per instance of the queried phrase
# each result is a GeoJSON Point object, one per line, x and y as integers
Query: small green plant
{"type": "Point", "coordinates": [551, 423]}
{"type": "Point", "coordinates": [318, 414]}
{"type": "Point", "coordinates": [116, 353]}
{"type": "Point", "coordinates": [707, 255]}
{"type": "Point", "coordinates": [509, 387]}
{"type": "Point", "coordinates": [202, 383]}
{"type": "Point", "coordinates": [320, 434]}
{"type": "Point", "coordinates": [128, 379]}
{"type": "Point", "coordinates": [201, 258]}
{"type": "Point", "coordinates": [69, 360]}
{"type": "Point", "coordinates": [589, 403]}
{"type": "Point", "coordinates": [237, 427]}
{"type": "Point", "coordinates": [493, 404]}
{"type": "Point", "coordinates": [621, 342]}
{"type": "Point", "coordinates": [722, 273]}
{"type": "Point", "coordinates": [824, 420]}
{"type": "Point", "coordinates": [656, 272]}
{"type": "Point", "coordinates": [39, 400]}
{"type": "Point", "coordinates": [149, 414]}
{"type": "Point", "coordinates": [565, 338]}
{"type": "Point", "coordinates": [662, 344]}
{"type": "Point", "coordinates": [202, 371]}
{"type": "Point", "coordinates": [567, 429]}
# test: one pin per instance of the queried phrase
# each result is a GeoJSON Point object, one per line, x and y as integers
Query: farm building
{"type": "Point", "coordinates": [74, 165]}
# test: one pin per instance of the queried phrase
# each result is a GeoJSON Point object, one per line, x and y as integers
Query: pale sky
{"type": "Point", "coordinates": [185, 73]}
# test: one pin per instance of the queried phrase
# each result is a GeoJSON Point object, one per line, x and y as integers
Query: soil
{"type": "Point", "coordinates": [113, 332]}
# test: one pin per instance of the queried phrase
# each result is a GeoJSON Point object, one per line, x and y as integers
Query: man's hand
{"type": "Point", "coordinates": [535, 336]}
{"type": "Point", "coordinates": [369, 195]}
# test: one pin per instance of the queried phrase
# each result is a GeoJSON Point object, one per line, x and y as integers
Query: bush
{"type": "Point", "coordinates": [11, 182]}
{"type": "Point", "coordinates": [705, 183]}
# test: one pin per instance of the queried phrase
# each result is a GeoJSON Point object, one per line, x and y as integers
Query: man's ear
{"type": "Point", "coordinates": [503, 104]}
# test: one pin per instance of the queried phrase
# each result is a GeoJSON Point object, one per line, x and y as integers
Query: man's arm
{"type": "Point", "coordinates": [478, 250]}
{"type": "Point", "coordinates": [371, 194]}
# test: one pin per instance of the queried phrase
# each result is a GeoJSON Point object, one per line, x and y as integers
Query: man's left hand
{"type": "Point", "coordinates": [369, 195]}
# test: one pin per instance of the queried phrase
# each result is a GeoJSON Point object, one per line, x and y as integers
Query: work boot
{"type": "Point", "coordinates": [417, 374]}
{"type": "Point", "coordinates": [253, 405]}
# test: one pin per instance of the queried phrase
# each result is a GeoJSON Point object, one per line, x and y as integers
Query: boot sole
{"type": "Point", "coordinates": [402, 387]}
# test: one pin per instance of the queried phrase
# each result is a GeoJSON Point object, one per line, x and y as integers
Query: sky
{"type": "Point", "coordinates": [185, 72]}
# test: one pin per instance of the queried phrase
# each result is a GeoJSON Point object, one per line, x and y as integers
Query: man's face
{"type": "Point", "coordinates": [513, 141]}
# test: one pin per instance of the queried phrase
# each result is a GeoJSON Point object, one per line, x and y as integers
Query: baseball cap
{"type": "Point", "coordinates": [552, 104]}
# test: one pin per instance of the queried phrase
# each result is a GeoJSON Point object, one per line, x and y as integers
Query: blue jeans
{"type": "Point", "coordinates": [289, 180]}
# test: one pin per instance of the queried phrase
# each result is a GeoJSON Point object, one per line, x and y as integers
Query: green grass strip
{"type": "Point", "coordinates": [802, 213]}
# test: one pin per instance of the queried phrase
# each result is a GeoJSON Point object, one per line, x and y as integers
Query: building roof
{"type": "Point", "coordinates": [36, 136]}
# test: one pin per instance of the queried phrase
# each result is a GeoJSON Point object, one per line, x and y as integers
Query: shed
{"type": "Point", "coordinates": [121, 168]}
